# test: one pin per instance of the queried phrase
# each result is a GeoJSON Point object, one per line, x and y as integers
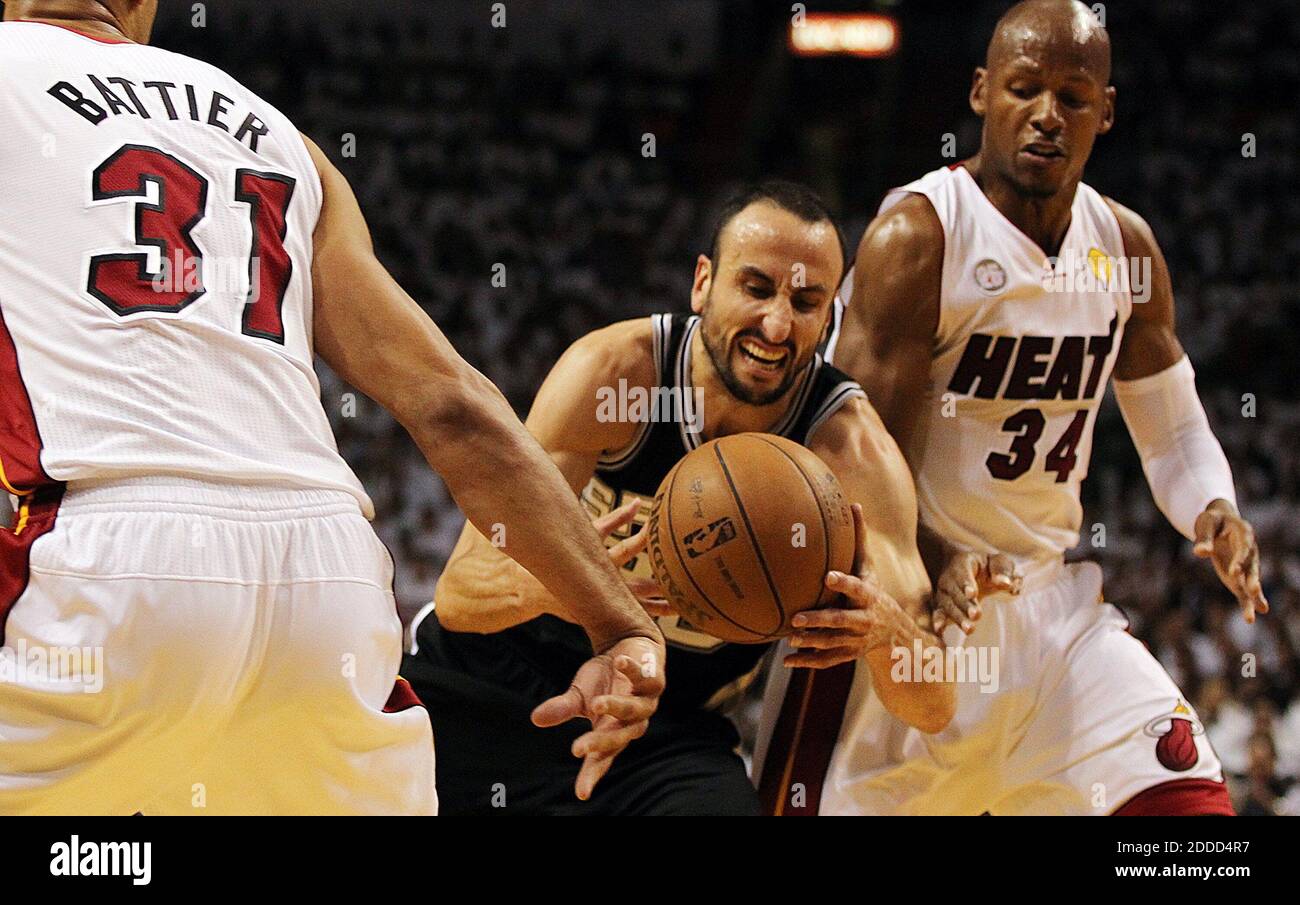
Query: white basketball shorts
{"type": "Point", "coordinates": [178, 647]}
{"type": "Point", "coordinates": [1059, 711]}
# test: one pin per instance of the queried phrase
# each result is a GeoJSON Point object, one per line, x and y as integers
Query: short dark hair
{"type": "Point", "coordinates": [794, 197]}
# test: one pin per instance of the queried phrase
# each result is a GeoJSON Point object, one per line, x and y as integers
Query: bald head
{"type": "Point", "coordinates": [1044, 95]}
{"type": "Point", "coordinates": [1055, 31]}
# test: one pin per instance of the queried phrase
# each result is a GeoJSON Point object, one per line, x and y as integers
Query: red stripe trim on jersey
{"type": "Point", "coordinates": [402, 697]}
{"type": "Point", "coordinates": [76, 31]}
{"type": "Point", "coordinates": [20, 440]}
{"type": "Point", "coordinates": [34, 518]}
{"type": "Point", "coordinates": [1180, 798]}
{"type": "Point", "coordinates": [803, 740]}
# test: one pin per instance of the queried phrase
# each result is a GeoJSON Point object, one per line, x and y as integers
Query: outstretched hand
{"type": "Point", "coordinates": [1228, 541]}
{"type": "Point", "coordinates": [617, 691]}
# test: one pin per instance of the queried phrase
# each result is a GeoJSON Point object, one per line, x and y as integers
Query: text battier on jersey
{"type": "Point", "coordinates": [116, 96]}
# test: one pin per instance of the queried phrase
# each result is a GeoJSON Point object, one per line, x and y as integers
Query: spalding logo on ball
{"type": "Point", "coordinates": [742, 533]}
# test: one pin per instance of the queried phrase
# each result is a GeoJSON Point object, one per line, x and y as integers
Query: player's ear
{"type": "Point", "coordinates": [977, 91]}
{"type": "Point", "coordinates": [1107, 111]}
{"type": "Point", "coordinates": [700, 287]}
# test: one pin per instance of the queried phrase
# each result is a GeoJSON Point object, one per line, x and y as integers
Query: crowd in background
{"type": "Point", "coordinates": [513, 196]}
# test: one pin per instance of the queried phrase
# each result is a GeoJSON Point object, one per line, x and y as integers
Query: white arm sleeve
{"type": "Point", "coordinates": [1184, 463]}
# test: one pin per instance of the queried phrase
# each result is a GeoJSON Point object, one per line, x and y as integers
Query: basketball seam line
{"type": "Point", "coordinates": [826, 529]}
{"type": "Point", "coordinates": [753, 538]}
{"type": "Point", "coordinates": [672, 538]}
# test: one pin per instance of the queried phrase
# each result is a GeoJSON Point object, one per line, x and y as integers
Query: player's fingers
{"type": "Point", "coordinates": [937, 621]}
{"type": "Point", "coordinates": [1253, 586]}
{"type": "Point", "coordinates": [832, 618]}
{"type": "Point", "coordinates": [822, 659]}
{"type": "Point", "coordinates": [861, 593]}
{"type": "Point", "coordinates": [1247, 609]}
{"type": "Point", "coordinates": [1205, 529]}
{"type": "Point", "coordinates": [629, 548]}
{"type": "Point", "coordinates": [1258, 603]}
{"type": "Point", "coordinates": [646, 676]}
{"type": "Point", "coordinates": [593, 770]}
{"type": "Point", "coordinates": [828, 639]}
{"type": "Point", "coordinates": [608, 742]}
{"type": "Point", "coordinates": [643, 588]}
{"type": "Point", "coordinates": [1238, 547]}
{"type": "Point", "coordinates": [559, 709]}
{"type": "Point", "coordinates": [624, 707]}
{"type": "Point", "coordinates": [1250, 593]}
{"type": "Point", "coordinates": [961, 578]}
{"type": "Point", "coordinates": [956, 598]}
{"type": "Point", "coordinates": [656, 606]}
{"type": "Point", "coordinates": [957, 610]}
{"type": "Point", "coordinates": [622, 516]}
{"type": "Point", "coordinates": [1003, 574]}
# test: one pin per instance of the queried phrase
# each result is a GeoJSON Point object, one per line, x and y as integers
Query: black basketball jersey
{"type": "Point", "coordinates": [700, 667]}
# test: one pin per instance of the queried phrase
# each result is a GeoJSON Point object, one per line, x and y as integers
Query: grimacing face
{"type": "Point", "coordinates": [766, 301]}
{"type": "Point", "coordinates": [1044, 102]}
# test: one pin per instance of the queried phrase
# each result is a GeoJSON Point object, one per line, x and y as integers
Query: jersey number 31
{"type": "Point", "coordinates": [124, 281]}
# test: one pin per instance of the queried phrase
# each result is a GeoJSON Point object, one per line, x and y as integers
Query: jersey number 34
{"type": "Point", "coordinates": [1027, 425]}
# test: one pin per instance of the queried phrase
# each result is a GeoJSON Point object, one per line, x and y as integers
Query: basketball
{"type": "Point", "coordinates": [742, 533]}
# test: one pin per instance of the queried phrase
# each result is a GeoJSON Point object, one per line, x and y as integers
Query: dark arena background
{"type": "Point", "coordinates": [584, 145]}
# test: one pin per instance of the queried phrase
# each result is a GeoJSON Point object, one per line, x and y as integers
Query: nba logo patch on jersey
{"type": "Point", "coordinates": [1176, 733]}
{"type": "Point", "coordinates": [990, 277]}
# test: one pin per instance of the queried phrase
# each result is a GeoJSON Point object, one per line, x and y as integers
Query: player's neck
{"type": "Point", "coordinates": [1044, 220]}
{"type": "Point", "coordinates": [95, 27]}
{"type": "Point", "coordinates": [724, 414]}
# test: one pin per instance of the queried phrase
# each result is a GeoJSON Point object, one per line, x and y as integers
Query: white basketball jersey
{"type": "Point", "coordinates": [1024, 350]}
{"type": "Point", "coordinates": [155, 272]}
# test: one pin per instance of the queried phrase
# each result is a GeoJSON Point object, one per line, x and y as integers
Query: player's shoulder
{"type": "Point", "coordinates": [898, 271]}
{"type": "Point", "coordinates": [1139, 238]}
{"type": "Point", "coordinates": [624, 349]}
{"type": "Point", "coordinates": [910, 228]}
{"type": "Point", "coordinates": [856, 426]}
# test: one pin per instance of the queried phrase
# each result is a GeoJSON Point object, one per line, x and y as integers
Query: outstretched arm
{"type": "Point", "coordinates": [378, 339]}
{"type": "Point", "coordinates": [1184, 464]}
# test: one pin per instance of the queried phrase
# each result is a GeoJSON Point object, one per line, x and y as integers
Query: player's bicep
{"type": "Point", "coordinates": [1150, 344]}
{"type": "Point", "coordinates": [888, 333]}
